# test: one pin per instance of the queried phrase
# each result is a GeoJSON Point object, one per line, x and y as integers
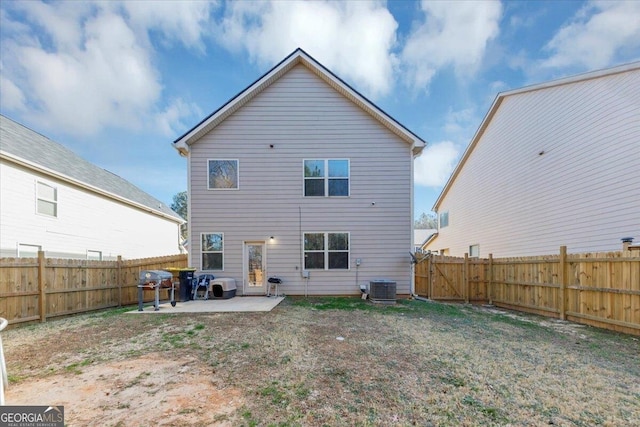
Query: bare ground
{"type": "Point", "coordinates": [327, 362]}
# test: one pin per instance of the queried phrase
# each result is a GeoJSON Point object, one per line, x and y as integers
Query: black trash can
{"type": "Point", "coordinates": [186, 278]}
{"type": "Point", "coordinates": [182, 277]}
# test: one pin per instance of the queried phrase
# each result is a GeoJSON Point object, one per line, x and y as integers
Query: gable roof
{"type": "Point", "coordinates": [502, 95]}
{"type": "Point", "coordinates": [298, 56]}
{"type": "Point", "coordinates": [421, 236]}
{"type": "Point", "coordinates": [23, 146]}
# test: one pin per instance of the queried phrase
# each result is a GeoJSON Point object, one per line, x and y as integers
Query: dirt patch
{"type": "Point", "coordinates": [147, 389]}
{"type": "Point", "coordinates": [560, 326]}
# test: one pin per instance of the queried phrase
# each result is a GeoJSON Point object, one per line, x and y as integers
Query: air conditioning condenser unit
{"type": "Point", "coordinates": [383, 291]}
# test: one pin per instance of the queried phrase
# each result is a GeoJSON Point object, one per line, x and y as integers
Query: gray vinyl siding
{"type": "Point", "coordinates": [304, 118]}
{"type": "Point", "coordinates": [583, 192]}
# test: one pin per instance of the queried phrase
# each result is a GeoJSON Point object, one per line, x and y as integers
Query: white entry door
{"type": "Point", "coordinates": [255, 268]}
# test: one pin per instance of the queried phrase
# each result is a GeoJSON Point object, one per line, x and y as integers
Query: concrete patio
{"type": "Point", "coordinates": [236, 304]}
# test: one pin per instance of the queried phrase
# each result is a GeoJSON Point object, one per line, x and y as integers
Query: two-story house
{"type": "Point", "coordinates": [553, 164]}
{"type": "Point", "coordinates": [301, 177]}
{"type": "Point", "coordinates": [53, 200]}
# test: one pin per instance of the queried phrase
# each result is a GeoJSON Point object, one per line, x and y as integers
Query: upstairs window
{"type": "Point", "coordinates": [94, 255]}
{"type": "Point", "coordinates": [223, 174]}
{"type": "Point", "coordinates": [47, 199]}
{"type": "Point", "coordinates": [326, 178]}
{"type": "Point", "coordinates": [444, 219]}
{"type": "Point", "coordinates": [326, 251]}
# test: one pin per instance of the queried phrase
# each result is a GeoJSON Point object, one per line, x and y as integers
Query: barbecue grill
{"type": "Point", "coordinates": [273, 283]}
{"type": "Point", "coordinates": [155, 280]}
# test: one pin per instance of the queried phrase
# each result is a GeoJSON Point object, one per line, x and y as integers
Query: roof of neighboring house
{"type": "Point", "coordinates": [502, 95]}
{"type": "Point", "coordinates": [420, 236]}
{"type": "Point", "coordinates": [298, 56]}
{"type": "Point", "coordinates": [22, 145]}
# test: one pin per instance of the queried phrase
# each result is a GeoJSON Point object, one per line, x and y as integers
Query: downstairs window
{"type": "Point", "coordinates": [326, 251]}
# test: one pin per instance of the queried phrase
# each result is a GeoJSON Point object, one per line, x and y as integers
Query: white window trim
{"type": "Point", "coordinates": [27, 244]}
{"type": "Point", "coordinates": [202, 252]}
{"type": "Point", "coordinates": [44, 199]}
{"type": "Point", "coordinates": [94, 252]}
{"type": "Point", "coordinates": [326, 177]}
{"type": "Point", "coordinates": [326, 250]}
{"type": "Point", "coordinates": [440, 217]}
{"type": "Point", "coordinates": [471, 246]}
{"type": "Point", "coordinates": [237, 178]}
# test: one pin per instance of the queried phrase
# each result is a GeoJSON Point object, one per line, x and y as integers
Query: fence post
{"type": "Point", "coordinates": [429, 278]}
{"type": "Point", "coordinates": [562, 277]}
{"type": "Point", "coordinates": [119, 279]}
{"type": "Point", "coordinates": [41, 285]}
{"type": "Point", "coordinates": [466, 278]}
{"type": "Point", "coordinates": [490, 284]}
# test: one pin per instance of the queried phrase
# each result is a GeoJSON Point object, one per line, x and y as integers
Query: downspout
{"type": "Point", "coordinates": [414, 156]}
{"type": "Point", "coordinates": [180, 247]}
{"type": "Point", "coordinates": [300, 238]}
{"type": "Point", "coordinates": [190, 260]}
{"type": "Point", "coordinates": [412, 290]}
{"type": "Point", "coordinates": [302, 271]}
{"type": "Point", "coordinates": [184, 150]}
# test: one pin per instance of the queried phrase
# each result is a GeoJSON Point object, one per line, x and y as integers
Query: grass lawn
{"type": "Point", "coordinates": [327, 361]}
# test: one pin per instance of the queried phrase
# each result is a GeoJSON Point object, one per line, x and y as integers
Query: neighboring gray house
{"type": "Point", "coordinates": [53, 200]}
{"type": "Point", "coordinates": [553, 164]}
{"type": "Point", "coordinates": [302, 178]}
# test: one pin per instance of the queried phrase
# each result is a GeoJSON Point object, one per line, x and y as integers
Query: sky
{"type": "Point", "coordinates": [118, 81]}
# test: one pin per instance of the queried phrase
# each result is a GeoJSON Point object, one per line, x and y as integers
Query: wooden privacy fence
{"type": "Point", "coordinates": [598, 289]}
{"type": "Point", "coordinates": [41, 288]}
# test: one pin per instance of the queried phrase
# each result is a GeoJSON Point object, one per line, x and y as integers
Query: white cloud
{"type": "Point", "coordinates": [107, 81]}
{"type": "Point", "coordinates": [185, 21]}
{"type": "Point", "coordinates": [169, 121]}
{"type": "Point", "coordinates": [598, 31]}
{"type": "Point", "coordinates": [85, 66]}
{"type": "Point", "coordinates": [453, 35]}
{"type": "Point", "coordinates": [60, 23]}
{"type": "Point", "coordinates": [354, 38]}
{"type": "Point", "coordinates": [434, 166]}
{"type": "Point", "coordinates": [498, 86]}
{"type": "Point", "coordinates": [459, 122]}
{"type": "Point", "coordinates": [12, 97]}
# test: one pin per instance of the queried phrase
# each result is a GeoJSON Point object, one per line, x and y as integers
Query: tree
{"type": "Point", "coordinates": [426, 221]}
{"type": "Point", "coordinates": [180, 207]}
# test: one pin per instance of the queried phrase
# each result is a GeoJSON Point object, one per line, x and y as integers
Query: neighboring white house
{"type": "Point", "coordinates": [420, 238]}
{"type": "Point", "coordinates": [302, 178]}
{"type": "Point", "coordinates": [53, 200]}
{"type": "Point", "coordinates": [552, 164]}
